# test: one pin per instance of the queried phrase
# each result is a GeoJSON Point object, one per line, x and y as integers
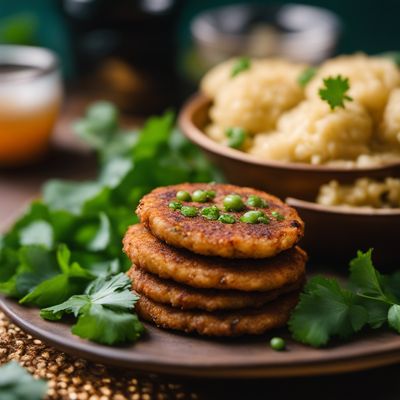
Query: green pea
{"type": "Point", "coordinates": [175, 205]}
{"type": "Point", "coordinates": [200, 196]}
{"type": "Point", "coordinates": [252, 217]}
{"type": "Point", "coordinates": [255, 201]}
{"type": "Point", "coordinates": [227, 219]}
{"type": "Point", "coordinates": [211, 213]}
{"type": "Point", "coordinates": [263, 220]}
{"type": "Point", "coordinates": [233, 202]}
{"type": "Point", "coordinates": [189, 211]}
{"type": "Point", "coordinates": [182, 195]}
{"type": "Point", "coordinates": [277, 343]}
{"type": "Point", "coordinates": [236, 137]}
{"type": "Point", "coordinates": [278, 216]}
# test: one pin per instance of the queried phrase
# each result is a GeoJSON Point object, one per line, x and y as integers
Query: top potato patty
{"type": "Point", "coordinates": [214, 238]}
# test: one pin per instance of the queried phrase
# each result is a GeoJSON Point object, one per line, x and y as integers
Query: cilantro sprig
{"type": "Point", "coordinates": [327, 309]}
{"type": "Point", "coordinates": [334, 91]}
{"type": "Point", "coordinates": [306, 76]}
{"type": "Point", "coordinates": [72, 236]}
{"type": "Point", "coordinates": [240, 65]}
{"type": "Point", "coordinates": [103, 312]}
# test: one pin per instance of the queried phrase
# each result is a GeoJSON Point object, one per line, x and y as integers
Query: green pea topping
{"type": "Point", "coordinates": [255, 201]}
{"type": "Point", "coordinates": [227, 219]}
{"type": "Point", "coordinates": [278, 216]}
{"type": "Point", "coordinates": [277, 343]}
{"type": "Point", "coordinates": [236, 137]}
{"type": "Point", "coordinates": [233, 202]}
{"type": "Point", "coordinates": [252, 217]}
{"type": "Point", "coordinates": [201, 196]}
{"type": "Point", "coordinates": [182, 195]}
{"type": "Point", "coordinates": [263, 220]}
{"type": "Point", "coordinates": [189, 211]}
{"type": "Point", "coordinates": [211, 213]}
{"type": "Point", "coordinates": [175, 205]}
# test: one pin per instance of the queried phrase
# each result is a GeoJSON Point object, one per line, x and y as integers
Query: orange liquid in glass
{"type": "Point", "coordinates": [24, 135]}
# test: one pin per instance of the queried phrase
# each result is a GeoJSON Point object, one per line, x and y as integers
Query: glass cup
{"type": "Point", "coordinates": [30, 100]}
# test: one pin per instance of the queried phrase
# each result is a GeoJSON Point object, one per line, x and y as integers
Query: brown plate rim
{"type": "Point", "coordinates": [198, 100]}
{"type": "Point", "coordinates": [119, 357]}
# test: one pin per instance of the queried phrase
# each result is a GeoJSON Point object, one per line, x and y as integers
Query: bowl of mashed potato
{"type": "Point", "coordinates": [290, 128]}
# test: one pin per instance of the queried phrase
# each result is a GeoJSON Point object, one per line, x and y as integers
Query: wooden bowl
{"type": "Point", "coordinates": [282, 179]}
{"type": "Point", "coordinates": [334, 234]}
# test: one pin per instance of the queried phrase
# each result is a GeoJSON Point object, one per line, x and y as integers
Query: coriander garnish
{"type": "Point", "coordinates": [241, 64]}
{"type": "Point", "coordinates": [227, 219]}
{"type": "Point", "coordinates": [189, 211]}
{"type": "Point", "coordinates": [334, 91]}
{"type": "Point", "coordinates": [306, 76]}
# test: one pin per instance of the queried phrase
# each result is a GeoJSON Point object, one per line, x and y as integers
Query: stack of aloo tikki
{"type": "Point", "coordinates": [215, 259]}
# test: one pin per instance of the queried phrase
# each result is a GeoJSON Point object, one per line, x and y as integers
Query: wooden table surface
{"type": "Point", "coordinates": [71, 160]}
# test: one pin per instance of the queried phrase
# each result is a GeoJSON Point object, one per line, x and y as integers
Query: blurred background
{"type": "Point", "coordinates": [149, 55]}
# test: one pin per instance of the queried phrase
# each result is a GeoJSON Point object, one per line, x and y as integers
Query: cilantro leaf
{"type": "Point", "coordinates": [306, 76]}
{"type": "Point", "coordinates": [334, 91]}
{"type": "Point", "coordinates": [17, 384]}
{"type": "Point", "coordinates": [39, 232]}
{"type": "Point", "coordinates": [394, 317]}
{"type": "Point", "coordinates": [325, 309]}
{"type": "Point", "coordinates": [103, 312]}
{"type": "Point", "coordinates": [241, 64]}
{"type": "Point", "coordinates": [73, 279]}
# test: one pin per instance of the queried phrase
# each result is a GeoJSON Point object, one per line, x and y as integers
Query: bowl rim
{"type": "Point", "coordinates": [342, 210]}
{"type": "Point", "coordinates": [193, 133]}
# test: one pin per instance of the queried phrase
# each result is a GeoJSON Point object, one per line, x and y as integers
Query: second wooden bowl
{"type": "Point", "coordinates": [282, 179]}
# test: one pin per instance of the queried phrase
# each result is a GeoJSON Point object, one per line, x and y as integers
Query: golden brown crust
{"type": "Point", "coordinates": [227, 323]}
{"type": "Point", "coordinates": [194, 270]}
{"type": "Point", "coordinates": [213, 238]}
{"type": "Point", "coordinates": [184, 297]}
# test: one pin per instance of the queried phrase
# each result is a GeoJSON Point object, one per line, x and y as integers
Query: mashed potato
{"type": "Point", "coordinates": [312, 133]}
{"type": "Point", "coordinates": [255, 98]}
{"type": "Point", "coordinates": [364, 193]}
{"type": "Point", "coordinates": [371, 80]}
{"type": "Point", "coordinates": [390, 128]}
{"type": "Point", "coordinates": [287, 122]}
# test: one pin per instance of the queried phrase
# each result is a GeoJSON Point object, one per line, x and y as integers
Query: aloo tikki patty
{"type": "Point", "coordinates": [186, 227]}
{"type": "Point", "coordinates": [248, 321]}
{"type": "Point", "coordinates": [185, 297]}
{"type": "Point", "coordinates": [183, 266]}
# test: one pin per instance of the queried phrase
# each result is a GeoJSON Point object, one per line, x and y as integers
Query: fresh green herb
{"type": "Point", "coordinates": [252, 217]}
{"type": "Point", "coordinates": [233, 202]}
{"type": "Point", "coordinates": [90, 218]}
{"type": "Point", "coordinates": [182, 195]}
{"type": "Point", "coordinates": [327, 309]}
{"type": "Point", "coordinates": [241, 64]}
{"type": "Point", "coordinates": [256, 201]}
{"type": "Point", "coordinates": [334, 91]}
{"type": "Point", "coordinates": [236, 137]}
{"type": "Point", "coordinates": [189, 211]}
{"type": "Point", "coordinates": [227, 219]}
{"type": "Point", "coordinates": [211, 213]}
{"type": "Point", "coordinates": [175, 205]}
{"type": "Point", "coordinates": [17, 384]}
{"type": "Point", "coordinates": [277, 215]}
{"type": "Point", "coordinates": [306, 76]}
{"type": "Point", "coordinates": [277, 343]}
{"type": "Point", "coordinates": [103, 311]}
